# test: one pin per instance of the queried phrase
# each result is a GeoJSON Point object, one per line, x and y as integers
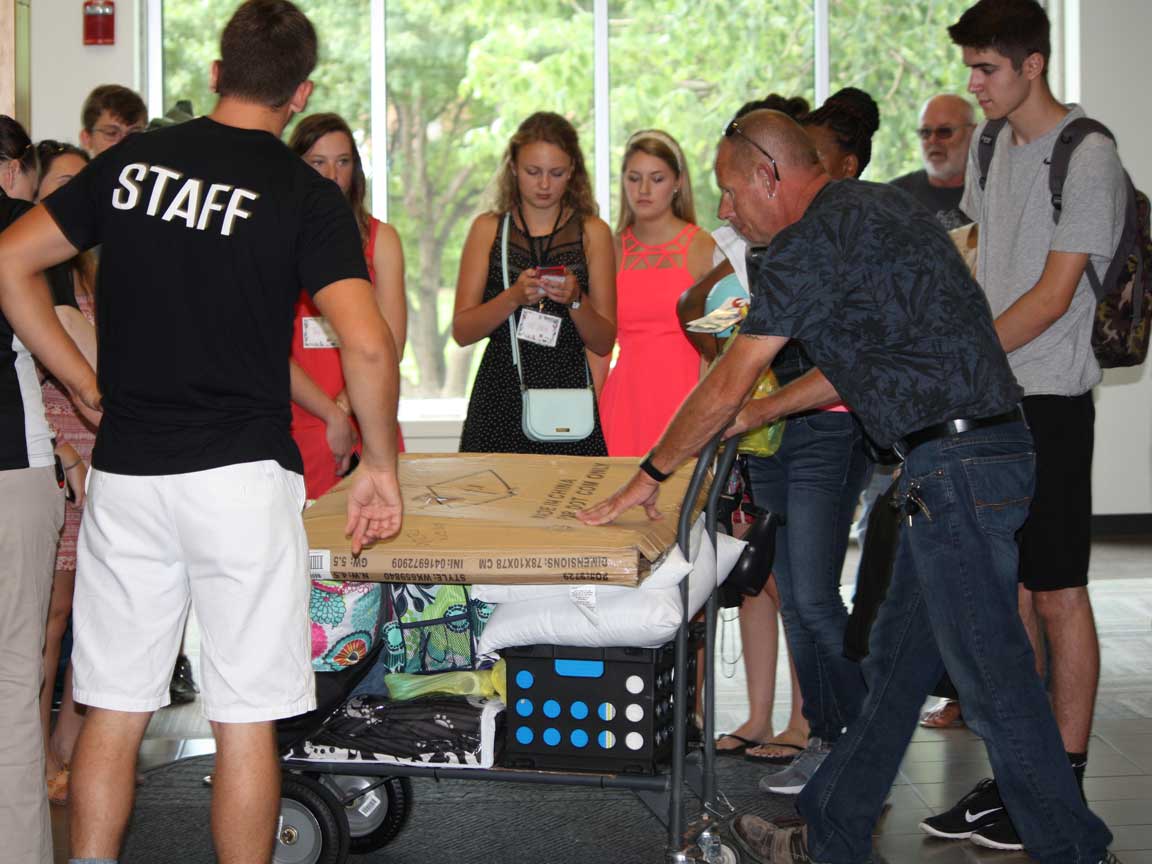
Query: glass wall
{"type": "Point", "coordinates": [898, 51]}
{"type": "Point", "coordinates": [458, 78]}
{"type": "Point", "coordinates": [687, 67]}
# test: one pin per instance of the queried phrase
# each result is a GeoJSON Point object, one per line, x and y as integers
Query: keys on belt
{"type": "Point", "coordinates": [912, 503]}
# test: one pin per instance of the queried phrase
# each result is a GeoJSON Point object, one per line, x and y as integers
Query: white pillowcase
{"type": "Point", "coordinates": [602, 616]}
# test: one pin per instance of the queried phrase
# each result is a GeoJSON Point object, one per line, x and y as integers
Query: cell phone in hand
{"type": "Point", "coordinates": [551, 275]}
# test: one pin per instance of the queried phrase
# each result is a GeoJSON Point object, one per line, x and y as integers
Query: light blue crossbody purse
{"type": "Point", "coordinates": [551, 414]}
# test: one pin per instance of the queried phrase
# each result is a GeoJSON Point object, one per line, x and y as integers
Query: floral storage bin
{"type": "Point", "coordinates": [346, 622]}
{"type": "Point", "coordinates": [431, 628]}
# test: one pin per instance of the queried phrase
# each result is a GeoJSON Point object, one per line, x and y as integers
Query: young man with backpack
{"type": "Point", "coordinates": [1035, 253]}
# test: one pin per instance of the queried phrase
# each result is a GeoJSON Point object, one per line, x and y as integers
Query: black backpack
{"type": "Point", "coordinates": [1124, 295]}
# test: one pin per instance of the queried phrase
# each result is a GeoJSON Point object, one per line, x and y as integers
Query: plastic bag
{"type": "Point", "coordinates": [485, 683]}
{"type": "Point", "coordinates": [764, 441]}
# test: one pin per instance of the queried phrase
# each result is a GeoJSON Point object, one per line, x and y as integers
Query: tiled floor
{"type": "Point", "coordinates": [940, 766]}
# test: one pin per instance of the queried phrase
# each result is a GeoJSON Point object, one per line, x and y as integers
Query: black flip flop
{"type": "Point", "coordinates": [784, 759]}
{"type": "Point", "coordinates": [745, 743]}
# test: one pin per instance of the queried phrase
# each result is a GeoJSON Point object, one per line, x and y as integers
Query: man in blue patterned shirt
{"type": "Point", "coordinates": [873, 288]}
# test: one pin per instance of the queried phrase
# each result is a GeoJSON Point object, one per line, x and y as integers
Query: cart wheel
{"type": "Point", "coordinates": [376, 817]}
{"type": "Point", "coordinates": [312, 827]}
{"type": "Point", "coordinates": [728, 855]}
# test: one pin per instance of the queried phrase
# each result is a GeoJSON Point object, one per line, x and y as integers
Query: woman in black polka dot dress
{"type": "Point", "coordinates": [545, 191]}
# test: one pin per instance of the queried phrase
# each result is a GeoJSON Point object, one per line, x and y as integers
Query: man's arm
{"type": "Point", "coordinates": [29, 246]}
{"type": "Point", "coordinates": [811, 390]}
{"type": "Point", "coordinates": [1044, 303]}
{"type": "Point", "coordinates": [707, 410]}
{"type": "Point", "coordinates": [371, 376]}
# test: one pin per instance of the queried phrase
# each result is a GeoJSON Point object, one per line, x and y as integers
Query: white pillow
{"type": "Point", "coordinates": [614, 616]}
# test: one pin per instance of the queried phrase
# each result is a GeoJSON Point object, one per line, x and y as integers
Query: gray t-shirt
{"type": "Point", "coordinates": [1017, 232]}
{"type": "Point", "coordinates": [942, 202]}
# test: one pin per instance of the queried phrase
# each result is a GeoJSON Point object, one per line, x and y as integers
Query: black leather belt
{"type": "Point", "coordinates": [953, 427]}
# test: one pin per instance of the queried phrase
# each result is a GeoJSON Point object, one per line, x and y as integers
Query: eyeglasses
{"type": "Point", "coordinates": [733, 128]}
{"type": "Point", "coordinates": [942, 132]}
{"type": "Point", "coordinates": [118, 133]}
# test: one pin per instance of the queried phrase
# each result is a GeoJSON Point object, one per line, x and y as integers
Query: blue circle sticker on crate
{"type": "Point", "coordinates": [605, 710]}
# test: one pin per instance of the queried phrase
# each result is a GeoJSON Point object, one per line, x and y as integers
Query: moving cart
{"type": "Point", "coordinates": [330, 808]}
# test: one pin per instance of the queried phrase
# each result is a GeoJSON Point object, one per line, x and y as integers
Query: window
{"type": "Point", "coordinates": [433, 92]}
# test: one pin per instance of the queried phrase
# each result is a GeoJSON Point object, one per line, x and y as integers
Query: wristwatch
{"type": "Point", "coordinates": [652, 471]}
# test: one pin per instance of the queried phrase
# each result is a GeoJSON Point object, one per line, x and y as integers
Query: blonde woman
{"type": "Point", "coordinates": [559, 272]}
{"type": "Point", "coordinates": [660, 252]}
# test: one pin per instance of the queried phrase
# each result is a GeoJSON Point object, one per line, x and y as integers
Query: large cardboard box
{"type": "Point", "coordinates": [501, 518]}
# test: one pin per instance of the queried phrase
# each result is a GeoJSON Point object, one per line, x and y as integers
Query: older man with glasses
{"type": "Point", "coordinates": [884, 304]}
{"type": "Point", "coordinates": [945, 130]}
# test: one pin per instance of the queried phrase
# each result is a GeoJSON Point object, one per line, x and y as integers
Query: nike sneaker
{"type": "Point", "coordinates": [979, 809]}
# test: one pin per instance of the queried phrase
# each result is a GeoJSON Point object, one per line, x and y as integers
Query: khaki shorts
{"type": "Point", "coordinates": [230, 542]}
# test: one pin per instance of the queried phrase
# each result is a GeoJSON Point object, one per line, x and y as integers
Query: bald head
{"type": "Point", "coordinates": [778, 134]}
{"type": "Point", "coordinates": [768, 173]}
{"type": "Point", "coordinates": [947, 121]}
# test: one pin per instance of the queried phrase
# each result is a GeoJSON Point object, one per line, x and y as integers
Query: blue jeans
{"type": "Point", "coordinates": [814, 480]}
{"type": "Point", "coordinates": [952, 605]}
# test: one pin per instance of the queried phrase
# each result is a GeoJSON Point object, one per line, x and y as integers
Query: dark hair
{"type": "Point", "coordinates": [853, 117]}
{"type": "Point", "coordinates": [267, 50]}
{"type": "Point", "coordinates": [793, 106]}
{"type": "Point", "coordinates": [16, 145]}
{"type": "Point", "coordinates": [304, 137]}
{"type": "Point", "coordinates": [1014, 28]}
{"type": "Point", "coordinates": [118, 101]}
{"type": "Point", "coordinates": [556, 130]}
{"type": "Point", "coordinates": [48, 151]}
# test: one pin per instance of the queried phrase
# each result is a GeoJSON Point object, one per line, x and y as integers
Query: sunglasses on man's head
{"type": "Point", "coordinates": [941, 132]}
{"type": "Point", "coordinates": [733, 128]}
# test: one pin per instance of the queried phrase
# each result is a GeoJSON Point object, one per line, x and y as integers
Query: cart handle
{"type": "Point", "coordinates": [699, 475]}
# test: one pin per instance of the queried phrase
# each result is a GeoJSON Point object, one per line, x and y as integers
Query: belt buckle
{"type": "Point", "coordinates": [900, 448]}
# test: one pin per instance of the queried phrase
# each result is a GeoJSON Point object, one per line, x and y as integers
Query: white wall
{"type": "Point", "coordinates": [64, 70]}
{"type": "Point", "coordinates": [1114, 65]}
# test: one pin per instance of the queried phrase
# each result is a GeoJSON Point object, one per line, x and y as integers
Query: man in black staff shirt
{"type": "Point", "coordinates": [210, 230]}
{"type": "Point", "coordinates": [885, 306]}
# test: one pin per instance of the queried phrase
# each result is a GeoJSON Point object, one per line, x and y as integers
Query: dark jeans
{"type": "Point", "coordinates": [814, 480]}
{"type": "Point", "coordinates": [952, 605]}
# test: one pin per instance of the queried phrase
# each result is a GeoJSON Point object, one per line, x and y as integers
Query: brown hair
{"type": "Point", "coordinates": [664, 147]}
{"type": "Point", "coordinates": [267, 50]}
{"type": "Point", "coordinates": [15, 145]}
{"type": "Point", "coordinates": [556, 130]}
{"type": "Point", "coordinates": [1014, 28]}
{"type": "Point", "coordinates": [304, 137]}
{"type": "Point", "coordinates": [84, 264]}
{"type": "Point", "coordinates": [122, 103]}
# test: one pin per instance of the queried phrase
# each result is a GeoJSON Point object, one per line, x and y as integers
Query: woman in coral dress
{"type": "Point", "coordinates": [660, 252]}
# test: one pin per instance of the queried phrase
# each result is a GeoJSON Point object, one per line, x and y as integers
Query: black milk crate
{"type": "Point", "coordinates": [603, 710]}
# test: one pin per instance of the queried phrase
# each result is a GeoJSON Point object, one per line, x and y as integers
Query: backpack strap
{"type": "Point", "coordinates": [986, 146]}
{"type": "Point", "coordinates": [1066, 144]}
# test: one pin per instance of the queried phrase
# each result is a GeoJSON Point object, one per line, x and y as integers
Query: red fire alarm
{"type": "Point", "coordinates": [99, 22]}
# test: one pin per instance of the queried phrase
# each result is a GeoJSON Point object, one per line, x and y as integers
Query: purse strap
{"type": "Point", "coordinates": [513, 317]}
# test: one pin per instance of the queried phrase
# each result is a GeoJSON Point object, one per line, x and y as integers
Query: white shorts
{"type": "Point", "coordinates": [228, 540]}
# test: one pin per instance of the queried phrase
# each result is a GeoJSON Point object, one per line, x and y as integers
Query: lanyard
{"type": "Point", "coordinates": [541, 259]}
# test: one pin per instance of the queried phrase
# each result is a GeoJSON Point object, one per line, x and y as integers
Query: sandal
{"type": "Point", "coordinates": [745, 743]}
{"type": "Point", "coordinates": [945, 714]}
{"type": "Point", "coordinates": [778, 750]}
{"type": "Point", "coordinates": [58, 786]}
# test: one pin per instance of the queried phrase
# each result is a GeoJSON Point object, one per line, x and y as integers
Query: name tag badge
{"type": "Point", "coordinates": [318, 333]}
{"type": "Point", "coordinates": [539, 328]}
